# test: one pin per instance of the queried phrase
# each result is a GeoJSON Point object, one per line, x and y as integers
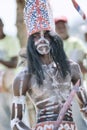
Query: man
{"type": "Point", "coordinates": [47, 78]}
{"type": "Point", "coordinates": [73, 46]}
{"type": "Point", "coordinates": [75, 50]}
{"type": "Point", "coordinates": [9, 48]}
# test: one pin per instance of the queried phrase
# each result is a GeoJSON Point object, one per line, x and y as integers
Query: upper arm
{"type": "Point", "coordinates": [20, 87]}
{"type": "Point", "coordinates": [20, 84]}
{"type": "Point", "coordinates": [76, 73]}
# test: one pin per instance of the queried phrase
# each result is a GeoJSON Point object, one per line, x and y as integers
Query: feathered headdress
{"type": "Point", "coordinates": [38, 16]}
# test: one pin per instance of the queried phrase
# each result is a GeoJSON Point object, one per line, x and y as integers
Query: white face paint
{"type": "Point", "coordinates": [42, 44]}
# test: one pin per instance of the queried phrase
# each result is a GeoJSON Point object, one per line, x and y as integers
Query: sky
{"type": "Point", "coordinates": [66, 7]}
{"type": "Point", "coordinates": [8, 15]}
{"type": "Point", "coordinates": [59, 7]}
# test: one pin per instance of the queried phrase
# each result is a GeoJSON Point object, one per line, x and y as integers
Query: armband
{"type": "Point", "coordinates": [19, 100]}
{"type": "Point", "coordinates": [83, 94]}
{"type": "Point", "coordinates": [15, 122]}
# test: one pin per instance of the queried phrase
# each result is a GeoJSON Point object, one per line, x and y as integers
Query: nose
{"type": "Point", "coordinates": [42, 41]}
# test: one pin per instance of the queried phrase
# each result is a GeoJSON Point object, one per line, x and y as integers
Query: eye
{"type": "Point", "coordinates": [46, 35]}
{"type": "Point", "coordinates": [36, 36]}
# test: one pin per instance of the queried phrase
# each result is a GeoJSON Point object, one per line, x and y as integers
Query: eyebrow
{"type": "Point", "coordinates": [37, 33]}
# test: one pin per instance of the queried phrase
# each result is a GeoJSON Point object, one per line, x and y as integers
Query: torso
{"type": "Point", "coordinates": [50, 96]}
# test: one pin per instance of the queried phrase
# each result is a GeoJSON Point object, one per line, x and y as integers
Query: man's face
{"type": "Point", "coordinates": [61, 29]}
{"type": "Point", "coordinates": [42, 42]}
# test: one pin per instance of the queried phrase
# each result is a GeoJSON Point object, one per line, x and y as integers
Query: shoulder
{"type": "Point", "coordinates": [74, 39]}
{"type": "Point", "coordinates": [13, 45]}
{"type": "Point", "coordinates": [78, 42]}
{"type": "Point", "coordinates": [12, 39]}
{"type": "Point", "coordinates": [22, 57]}
{"type": "Point", "coordinates": [73, 65]}
{"type": "Point", "coordinates": [76, 73]}
{"type": "Point", "coordinates": [21, 81]}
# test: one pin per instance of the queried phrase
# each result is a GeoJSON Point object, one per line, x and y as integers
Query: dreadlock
{"type": "Point", "coordinates": [57, 53]}
{"type": "Point", "coordinates": [34, 62]}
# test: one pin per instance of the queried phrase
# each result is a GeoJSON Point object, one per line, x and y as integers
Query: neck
{"type": "Point", "coordinates": [66, 37]}
{"type": "Point", "coordinates": [46, 59]}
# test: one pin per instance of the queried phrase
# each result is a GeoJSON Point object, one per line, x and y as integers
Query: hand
{"type": "Point", "coordinates": [23, 126]}
{"type": "Point", "coordinates": [84, 111]}
{"type": "Point", "coordinates": [55, 127]}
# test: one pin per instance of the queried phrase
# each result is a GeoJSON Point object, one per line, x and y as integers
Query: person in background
{"type": "Point", "coordinates": [73, 46]}
{"type": "Point", "coordinates": [83, 29]}
{"type": "Point", "coordinates": [9, 49]}
{"type": "Point", "coordinates": [75, 50]}
{"type": "Point", "coordinates": [48, 74]}
{"type": "Point", "coordinates": [85, 40]}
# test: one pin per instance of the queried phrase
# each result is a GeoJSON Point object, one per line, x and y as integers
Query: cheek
{"type": "Point", "coordinates": [48, 39]}
{"type": "Point", "coordinates": [35, 40]}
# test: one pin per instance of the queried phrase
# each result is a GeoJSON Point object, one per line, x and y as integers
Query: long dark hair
{"type": "Point", "coordinates": [57, 53]}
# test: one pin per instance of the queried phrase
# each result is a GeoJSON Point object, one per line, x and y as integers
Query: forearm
{"type": "Point", "coordinates": [18, 113]}
{"type": "Point", "coordinates": [82, 97]}
{"type": "Point", "coordinates": [10, 63]}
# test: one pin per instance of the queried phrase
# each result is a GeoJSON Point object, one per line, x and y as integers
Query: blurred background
{"type": "Point", "coordinates": [11, 13]}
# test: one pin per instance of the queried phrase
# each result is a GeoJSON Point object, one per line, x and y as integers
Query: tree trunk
{"type": "Point", "coordinates": [22, 33]}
